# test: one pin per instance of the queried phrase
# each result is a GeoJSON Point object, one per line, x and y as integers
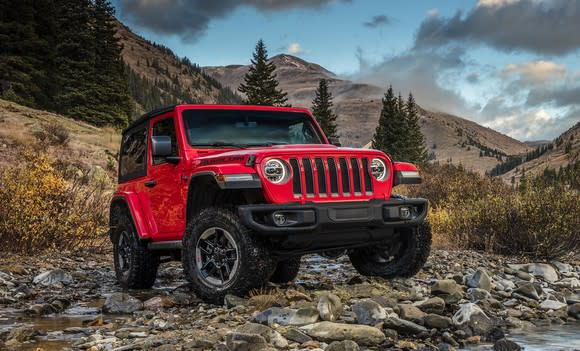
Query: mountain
{"type": "Point", "coordinates": [561, 152]}
{"type": "Point", "coordinates": [157, 77]}
{"type": "Point", "coordinates": [448, 138]}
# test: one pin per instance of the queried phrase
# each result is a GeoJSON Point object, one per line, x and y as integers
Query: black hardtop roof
{"type": "Point", "coordinates": [148, 116]}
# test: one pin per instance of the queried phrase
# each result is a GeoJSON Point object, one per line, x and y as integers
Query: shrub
{"type": "Point", "coordinates": [44, 208]}
{"type": "Point", "coordinates": [473, 211]}
{"type": "Point", "coordinates": [53, 134]}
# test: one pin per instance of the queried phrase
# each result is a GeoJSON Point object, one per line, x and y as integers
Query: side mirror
{"type": "Point", "coordinates": [334, 141]}
{"type": "Point", "coordinates": [161, 146]}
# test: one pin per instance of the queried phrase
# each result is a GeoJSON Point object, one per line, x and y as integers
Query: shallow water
{"type": "Point", "coordinates": [555, 338]}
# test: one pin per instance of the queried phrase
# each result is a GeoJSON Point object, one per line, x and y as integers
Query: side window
{"type": "Point", "coordinates": [133, 158]}
{"type": "Point", "coordinates": [167, 128]}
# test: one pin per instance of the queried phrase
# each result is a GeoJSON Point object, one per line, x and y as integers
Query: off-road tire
{"type": "Point", "coordinates": [141, 264]}
{"type": "Point", "coordinates": [286, 270]}
{"type": "Point", "coordinates": [254, 261]}
{"type": "Point", "coordinates": [413, 254]}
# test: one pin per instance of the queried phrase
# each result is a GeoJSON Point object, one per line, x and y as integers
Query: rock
{"type": "Point", "coordinates": [40, 309]}
{"type": "Point", "coordinates": [119, 303]}
{"type": "Point", "coordinates": [22, 334]}
{"type": "Point", "coordinates": [158, 302]}
{"type": "Point", "coordinates": [472, 315]}
{"type": "Point", "coordinates": [505, 284]}
{"type": "Point", "coordinates": [476, 294]}
{"type": "Point", "coordinates": [524, 275]}
{"type": "Point", "coordinates": [552, 305]}
{"type": "Point", "coordinates": [231, 301]}
{"type": "Point", "coordinates": [329, 331]}
{"type": "Point", "coordinates": [245, 342]}
{"type": "Point", "coordinates": [480, 279]}
{"type": "Point", "coordinates": [345, 345]}
{"type": "Point", "coordinates": [411, 313]}
{"type": "Point", "coordinates": [53, 277]}
{"type": "Point", "coordinates": [295, 295]}
{"type": "Point", "coordinates": [563, 267]}
{"type": "Point", "coordinates": [574, 310]}
{"type": "Point", "coordinates": [270, 335]}
{"type": "Point", "coordinates": [544, 271]}
{"type": "Point", "coordinates": [570, 283]}
{"type": "Point", "coordinates": [288, 316]}
{"type": "Point", "coordinates": [364, 290]}
{"type": "Point", "coordinates": [330, 307]}
{"type": "Point", "coordinates": [432, 305]}
{"type": "Point", "coordinates": [297, 336]}
{"type": "Point", "coordinates": [436, 321]}
{"type": "Point", "coordinates": [442, 346]}
{"type": "Point", "coordinates": [368, 312]}
{"type": "Point", "coordinates": [529, 290]}
{"type": "Point", "coordinates": [573, 298]}
{"type": "Point", "coordinates": [384, 301]}
{"type": "Point", "coordinates": [448, 290]}
{"type": "Point", "coordinates": [402, 326]}
{"type": "Point", "coordinates": [19, 270]}
{"type": "Point", "coordinates": [506, 345]}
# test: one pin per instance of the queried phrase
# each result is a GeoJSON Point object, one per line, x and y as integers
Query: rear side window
{"type": "Point", "coordinates": [165, 127]}
{"type": "Point", "coordinates": [133, 158]}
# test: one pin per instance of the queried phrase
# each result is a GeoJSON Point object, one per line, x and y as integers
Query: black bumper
{"type": "Point", "coordinates": [313, 218]}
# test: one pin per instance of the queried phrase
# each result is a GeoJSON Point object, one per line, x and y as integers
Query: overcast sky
{"type": "Point", "coordinates": [512, 65]}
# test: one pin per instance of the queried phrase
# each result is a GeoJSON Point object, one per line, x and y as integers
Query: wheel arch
{"type": "Point", "coordinates": [131, 203]}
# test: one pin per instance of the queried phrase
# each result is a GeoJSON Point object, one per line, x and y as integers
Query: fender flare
{"type": "Point", "coordinates": [131, 202]}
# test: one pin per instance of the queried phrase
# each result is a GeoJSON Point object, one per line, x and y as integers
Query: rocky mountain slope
{"type": "Point", "coordinates": [157, 77]}
{"type": "Point", "coordinates": [449, 138]}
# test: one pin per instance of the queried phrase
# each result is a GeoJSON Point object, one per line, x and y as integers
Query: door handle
{"type": "Point", "coordinates": [150, 183]}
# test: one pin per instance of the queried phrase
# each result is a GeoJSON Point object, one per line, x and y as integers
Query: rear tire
{"type": "Point", "coordinates": [220, 256]}
{"type": "Point", "coordinates": [286, 270]}
{"type": "Point", "coordinates": [135, 266]}
{"type": "Point", "coordinates": [406, 261]}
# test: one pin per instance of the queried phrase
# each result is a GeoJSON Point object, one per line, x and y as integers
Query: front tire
{"type": "Point", "coordinates": [404, 260]}
{"type": "Point", "coordinates": [135, 266]}
{"type": "Point", "coordinates": [220, 256]}
{"type": "Point", "coordinates": [286, 270]}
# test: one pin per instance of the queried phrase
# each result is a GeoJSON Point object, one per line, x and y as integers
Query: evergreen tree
{"type": "Point", "coordinates": [260, 84]}
{"type": "Point", "coordinates": [389, 134]}
{"type": "Point", "coordinates": [322, 110]}
{"type": "Point", "coordinates": [417, 153]}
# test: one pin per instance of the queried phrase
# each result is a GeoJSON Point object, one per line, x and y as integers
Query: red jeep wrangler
{"type": "Point", "coordinates": [240, 193]}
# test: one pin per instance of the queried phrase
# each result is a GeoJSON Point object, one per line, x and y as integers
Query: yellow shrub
{"type": "Point", "coordinates": [41, 209]}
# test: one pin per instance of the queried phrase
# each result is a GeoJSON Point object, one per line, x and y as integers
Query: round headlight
{"type": "Point", "coordinates": [379, 169]}
{"type": "Point", "coordinates": [275, 171]}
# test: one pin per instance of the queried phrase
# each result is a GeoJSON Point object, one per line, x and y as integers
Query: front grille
{"type": "Point", "coordinates": [330, 176]}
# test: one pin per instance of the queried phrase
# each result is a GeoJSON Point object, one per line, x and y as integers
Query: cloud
{"type": "Point", "coordinates": [543, 27]}
{"type": "Point", "coordinates": [472, 78]}
{"type": "Point", "coordinates": [433, 12]}
{"type": "Point", "coordinates": [559, 96]}
{"type": "Point", "coordinates": [536, 71]}
{"type": "Point", "coordinates": [295, 49]}
{"type": "Point", "coordinates": [189, 19]}
{"type": "Point", "coordinates": [376, 21]}
{"type": "Point", "coordinates": [533, 125]}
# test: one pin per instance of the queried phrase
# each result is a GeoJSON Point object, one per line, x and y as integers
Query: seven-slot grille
{"type": "Point", "coordinates": [331, 176]}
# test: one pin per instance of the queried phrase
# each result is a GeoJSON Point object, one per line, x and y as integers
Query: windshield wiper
{"type": "Point", "coordinates": [267, 143]}
{"type": "Point", "coordinates": [220, 144]}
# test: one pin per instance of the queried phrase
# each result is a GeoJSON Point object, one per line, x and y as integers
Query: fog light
{"type": "Point", "coordinates": [279, 219]}
{"type": "Point", "coordinates": [405, 212]}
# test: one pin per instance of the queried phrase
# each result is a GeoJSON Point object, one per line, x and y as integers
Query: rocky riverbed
{"type": "Point", "coordinates": [460, 300]}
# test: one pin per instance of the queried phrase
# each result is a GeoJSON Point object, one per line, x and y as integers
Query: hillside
{"type": "Point", "coordinates": [157, 77]}
{"type": "Point", "coordinates": [448, 138]}
{"type": "Point", "coordinates": [89, 146]}
{"type": "Point", "coordinates": [565, 150]}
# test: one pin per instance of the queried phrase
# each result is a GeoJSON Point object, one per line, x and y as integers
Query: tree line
{"type": "Point", "coordinates": [63, 56]}
{"type": "Point", "coordinates": [398, 133]}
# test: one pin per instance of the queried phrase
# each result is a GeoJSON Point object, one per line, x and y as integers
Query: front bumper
{"type": "Point", "coordinates": [289, 219]}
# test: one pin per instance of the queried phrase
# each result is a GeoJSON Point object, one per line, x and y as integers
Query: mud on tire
{"type": "Point", "coordinates": [405, 262]}
{"type": "Point", "coordinates": [220, 256]}
{"type": "Point", "coordinates": [135, 266]}
{"type": "Point", "coordinates": [286, 270]}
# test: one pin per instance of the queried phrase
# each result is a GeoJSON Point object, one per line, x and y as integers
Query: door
{"type": "Point", "coordinates": [164, 185]}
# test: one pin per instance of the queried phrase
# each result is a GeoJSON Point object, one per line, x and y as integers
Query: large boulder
{"type": "Point", "coordinates": [329, 331]}
{"type": "Point", "coordinates": [480, 279]}
{"type": "Point", "coordinates": [544, 271]}
{"type": "Point", "coordinates": [330, 307]}
{"type": "Point", "coordinates": [530, 290]}
{"type": "Point", "coordinates": [369, 312]}
{"type": "Point", "coordinates": [471, 315]}
{"type": "Point", "coordinates": [402, 326]}
{"type": "Point", "coordinates": [121, 303]}
{"type": "Point", "coordinates": [288, 316]}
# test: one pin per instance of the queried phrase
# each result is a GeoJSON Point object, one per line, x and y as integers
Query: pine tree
{"type": "Point", "coordinates": [417, 153]}
{"type": "Point", "coordinates": [322, 110]}
{"type": "Point", "coordinates": [389, 134]}
{"type": "Point", "coordinates": [260, 85]}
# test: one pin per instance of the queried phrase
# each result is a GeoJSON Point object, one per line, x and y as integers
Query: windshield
{"type": "Point", "coordinates": [242, 128]}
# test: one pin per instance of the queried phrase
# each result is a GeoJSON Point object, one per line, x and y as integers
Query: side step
{"type": "Point", "coordinates": [165, 245]}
